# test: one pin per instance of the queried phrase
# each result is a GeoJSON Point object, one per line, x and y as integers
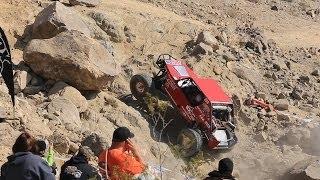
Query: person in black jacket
{"type": "Point", "coordinates": [78, 168]}
{"type": "Point", "coordinates": [23, 164]}
{"type": "Point", "coordinates": [224, 171]}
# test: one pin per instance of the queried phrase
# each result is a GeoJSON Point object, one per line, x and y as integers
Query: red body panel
{"type": "Point", "coordinates": [211, 89]}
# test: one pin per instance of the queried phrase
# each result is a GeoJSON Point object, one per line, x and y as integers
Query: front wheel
{"type": "Point", "coordinates": [190, 142]}
{"type": "Point", "coordinates": [140, 85]}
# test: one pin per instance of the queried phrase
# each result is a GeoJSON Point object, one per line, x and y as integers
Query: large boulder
{"type": "Point", "coordinates": [307, 169]}
{"type": "Point", "coordinates": [73, 58]}
{"type": "Point", "coordinates": [64, 90]}
{"type": "Point", "coordinates": [66, 111]}
{"type": "Point", "coordinates": [55, 19]}
{"type": "Point", "coordinates": [88, 3]}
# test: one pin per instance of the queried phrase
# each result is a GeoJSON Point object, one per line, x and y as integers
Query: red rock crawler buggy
{"type": "Point", "coordinates": [207, 109]}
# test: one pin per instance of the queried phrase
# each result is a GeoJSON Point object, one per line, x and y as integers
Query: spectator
{"type": "Point", "coordinates": [123, 159]}
{"type": "Point", "coordinates": [46, 153]}
{"type": "Point", "coordinates": [224, 171]}
{"type": "Point", "coordinates": [78, 167]}
{"type": "Point", "coordinates": [23, 164]}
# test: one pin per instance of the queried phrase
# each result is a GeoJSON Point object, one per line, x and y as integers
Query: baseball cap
{"type": "Point", "coordinates": [121, 134]}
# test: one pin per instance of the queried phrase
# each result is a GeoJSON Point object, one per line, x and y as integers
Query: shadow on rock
{"type": "Point", "coordinates": [22, 40]}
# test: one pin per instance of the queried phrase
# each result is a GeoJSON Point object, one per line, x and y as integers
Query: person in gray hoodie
{"type": "Point", "coordinates": [23, 164]}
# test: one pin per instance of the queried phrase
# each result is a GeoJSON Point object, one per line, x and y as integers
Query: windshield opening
{"type": "Point", "coordinates": [221, 113]}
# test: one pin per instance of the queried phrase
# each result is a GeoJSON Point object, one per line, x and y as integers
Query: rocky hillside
{"type": "Point", "coordinates": [73, 62]}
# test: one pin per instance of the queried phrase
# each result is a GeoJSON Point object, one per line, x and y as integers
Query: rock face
{"type": "Point", "coordinates": [21, 80]}
{"type": "Point", "coordinates": [297, 94]}
{"type": "Point", "coordinates": [305, 170]}
{"type": "Point", "coordinates": [73, 58]}
{"type": "Point", "coordinates": [261, 137]}
{"type": "Point", "coordinates": [111, 24]}
{"type": "Point", "coordinates": [202, 49]}
{"type": "Point", "coordinates": [64, 90]}
{"type": "Point", "coordinates": [96, 143]}
{"type": "Point", "coordinates": [60, 143]}
{"type": "Point", "coordinates": [205, 44]}
{"type": "Point", "coordinates": [297, 136]}
{"type": "Point", "coordinates": [206, 38]}
{"type": "Point", "coordinates": [55, 19]}
{"type": "Point", "coordinates": [257, 43]}
{"type": "Point", "coordinates": [66, 111]}
{"type": "Point", "coordinates": [73, 147]}
{"type": "Point", "coordinates": [3, 113]}
{"type": "Point", "coordinates": [281, 104]}
{"type": "Point", "coordinates": [30, 90]}
{"type": "Point", "coordinates": [88, 3]}
{"type": "Point", "coordinates": [283, 117]}
{"type": "Point", "coordinates": [316, 72]}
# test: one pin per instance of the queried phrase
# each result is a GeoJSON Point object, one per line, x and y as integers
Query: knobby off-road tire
{"type": "Point", "coordinates": [190, 142]}
{"type": "Point", "coordinates": [140, 85]}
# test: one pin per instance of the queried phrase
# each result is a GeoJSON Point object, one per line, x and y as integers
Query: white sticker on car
{"type": "Point", "coordinates": [181, 70]}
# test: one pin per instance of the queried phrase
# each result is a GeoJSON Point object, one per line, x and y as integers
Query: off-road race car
{"type": "Point", "coordinates": [203, 104]}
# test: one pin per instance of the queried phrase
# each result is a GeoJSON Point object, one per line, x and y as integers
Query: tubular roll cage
{"type": "Point", "coordinates": [161, 63]}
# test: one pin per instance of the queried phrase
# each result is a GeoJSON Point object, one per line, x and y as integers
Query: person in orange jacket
{"type": "Point", "coordinates": [122, 158]}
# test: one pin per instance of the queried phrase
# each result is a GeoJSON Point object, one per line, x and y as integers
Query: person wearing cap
{"type": "Point", "coordinates": [78, 167]}
{"type": "Point", "coordinates": [224, 172]}
{"type": "Point", "coordinates": [123, 159]}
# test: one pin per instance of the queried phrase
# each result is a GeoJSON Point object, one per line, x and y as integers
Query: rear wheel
{"type": "Point", "coordinates": [140, 85]}
{"type": "Point", "coordinates": [190, 142]}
